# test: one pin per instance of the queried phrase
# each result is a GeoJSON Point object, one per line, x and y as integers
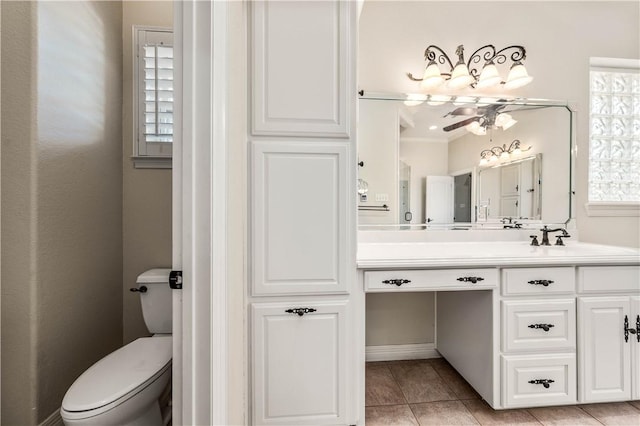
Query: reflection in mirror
{"type": "Point", "coordinates": [422, 163]}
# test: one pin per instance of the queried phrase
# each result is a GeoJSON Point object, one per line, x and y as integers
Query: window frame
{"type": "Point", "coordinates": [146, 154]}
{"type": "Point", "coordinates": [608, 208]}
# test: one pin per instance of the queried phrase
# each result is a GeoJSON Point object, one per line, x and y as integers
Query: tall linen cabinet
{"type": "Point", "coordinates": [302, 170]}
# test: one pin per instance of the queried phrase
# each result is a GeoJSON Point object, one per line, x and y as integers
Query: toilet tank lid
{"type": "Point", "coordinates": [157, 275]}
{"type": "Point", "coordinates": [119, 373]}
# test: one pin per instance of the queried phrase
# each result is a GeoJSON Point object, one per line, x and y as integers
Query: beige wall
{"type": "Point", "coordinates": [61, 199]}
{"type": "Point", "coordinates": [559, 38]}
{"type": "Point", "coordinates": [146, 201]}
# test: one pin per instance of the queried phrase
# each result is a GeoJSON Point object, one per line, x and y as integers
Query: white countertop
{"type": "Point", "coordinates": [375, 255]}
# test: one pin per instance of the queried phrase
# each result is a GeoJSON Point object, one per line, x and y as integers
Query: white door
{"type": "Point", "coordinates": [439, 199]}
{"type": "Point", "coordinates": [299, 361]}
{"type": "Point", "coordinates": [605, 355]}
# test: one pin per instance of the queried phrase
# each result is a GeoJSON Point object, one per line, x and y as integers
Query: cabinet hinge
{"type": "Point", "coordinates": [175, 280]}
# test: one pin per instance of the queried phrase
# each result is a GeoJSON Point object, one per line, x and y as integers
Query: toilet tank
{"type": "Point", "coordinates": [157, 300]}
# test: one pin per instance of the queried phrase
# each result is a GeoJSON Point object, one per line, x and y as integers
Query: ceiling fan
{"type": "Point", "coordinates": [484, 116]}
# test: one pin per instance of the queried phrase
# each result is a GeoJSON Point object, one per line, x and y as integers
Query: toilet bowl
{"type": "Point", "coordinates": [124, 387]}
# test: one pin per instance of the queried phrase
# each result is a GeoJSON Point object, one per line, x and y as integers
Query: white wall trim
{"type": "Point", "coordinates": [55, 419]}
{"type": "Point", "coordinates": [613, 209]}
{"type": "Point", "coordinates": [401, 352]}
{"type": "Point", "coordinates": [201, 334]}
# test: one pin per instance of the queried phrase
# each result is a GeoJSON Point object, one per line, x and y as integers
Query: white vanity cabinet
{"type": "Point", "coordinates": [608, 326]}
{"type": "Point", "coordinates": [299, 361]}
{"type": "Point", "coordinates": [302, 210]}
{"type": "Point", "coordinates": [538, 337]}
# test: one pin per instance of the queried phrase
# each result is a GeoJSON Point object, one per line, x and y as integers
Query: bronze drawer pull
{"type": "Point", "coordinates": [300, 311]}
{"type": "Point", "coordinates": [471, 280]}
{"type": "Point", "coordinates": [544, 283]}
{"type": "Point", "coordinates": [543, 382]}
{"type": "Point", "coordinates": [545, 327]}
{"type": "Point", "coordinates": [396, 281]}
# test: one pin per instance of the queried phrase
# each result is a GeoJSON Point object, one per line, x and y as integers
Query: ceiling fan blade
{"type": "Point", "coordinates": [464, 111]}
{"type": "Point", "coordinates": [460, 124]}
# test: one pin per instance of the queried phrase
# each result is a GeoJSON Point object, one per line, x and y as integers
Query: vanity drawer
{"type": "Point", "coordinates": [530, 381]}
{"type": "Point", "coordinates": [430, 280]}
{"type": "Point", "coordinates": [537, 281]}
{"type": "Point", "coordinates": [598, 279]}
{"type": "Point", "coordinates": [538, 325]}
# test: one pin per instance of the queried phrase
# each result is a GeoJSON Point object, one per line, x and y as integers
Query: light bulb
{"type": "Point", "coordinates": [489, 76]}
{"type": "Point", "coordinates": [517, 77]}
{"type": "Point", "coordinates": [460, 77]}
{"type": "Point", "coordinates": [432, 77]}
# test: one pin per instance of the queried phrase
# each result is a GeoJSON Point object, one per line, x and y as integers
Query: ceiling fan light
{"type": "Point", "coordinates": [508, 123]}
{"type": "Point", "coordinates": [517, 77]}
{"type": "Point", "coordinates": [480, 131]}
{"type": "Point", "coordinates": [460, 77]}
{"type": "Point", "coordinates": [473, 126]}
{"type": "Point", "coordinates": [489, 76]}
{"type": "Point", "coordinates": [432, 77]}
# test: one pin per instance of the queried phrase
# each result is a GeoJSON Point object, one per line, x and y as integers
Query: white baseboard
{"type": "Point", "coordinates": [53, 420]}
{"type": "Point", "coordinates": [401, 352]}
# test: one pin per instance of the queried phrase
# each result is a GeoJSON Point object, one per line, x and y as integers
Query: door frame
{"type": "Point", "coordinates": [200, 169]}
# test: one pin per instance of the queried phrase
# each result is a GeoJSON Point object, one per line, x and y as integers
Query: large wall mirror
{"type": "Point", "coordinates": [462, 163]}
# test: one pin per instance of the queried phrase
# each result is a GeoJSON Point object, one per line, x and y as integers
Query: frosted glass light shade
{"type": "Point", "coordinates": [517, 77]}
{"type": "Point", "coordinates": [460, 77]}
{"type": "Point", "coordinates": [483, 161]}
{"type": "Point", "coordinates": [510, 122]}
{"type": "Point", "coordinates": [504, 155]}
{"type": "Point", "coordinates": [489, 76]}
{"type": "Point", "coordinates": [475, 128]}
{"type": "Point", "coordinates": [432, 77]}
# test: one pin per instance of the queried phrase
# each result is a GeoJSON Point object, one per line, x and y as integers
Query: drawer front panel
{"type": "Point", "coordinates": [538, 380]}
{"type": "Point", "coordinates": [430, 280]}
{"type": "Point", "coordinates": [538, 281]}
{"type": "Point", "coordinates": [599, 279]}
{"type": "Point", "coordinates": [538, 325]}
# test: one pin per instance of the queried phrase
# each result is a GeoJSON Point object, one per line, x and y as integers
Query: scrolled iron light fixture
{"type": "Point", "coordinates": [469, 74]}
{"type": "Point", "coordinates": [501, 152]}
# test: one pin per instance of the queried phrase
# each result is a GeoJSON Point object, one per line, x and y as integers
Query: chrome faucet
{"type": "Point", "coordinates": [545, 236]}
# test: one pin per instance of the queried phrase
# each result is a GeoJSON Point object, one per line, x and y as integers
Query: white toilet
{"type": "Point", "coordinates": [128, 386]}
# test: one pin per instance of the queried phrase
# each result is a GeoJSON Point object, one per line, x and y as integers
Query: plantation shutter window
{"type": "Point", "coordinates": [154, 92]}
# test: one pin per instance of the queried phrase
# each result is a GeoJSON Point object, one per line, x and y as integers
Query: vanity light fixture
{"type": "Point", "coordinates": [470, 74]}
{"type": "Point", "coordinates": [501, 152]}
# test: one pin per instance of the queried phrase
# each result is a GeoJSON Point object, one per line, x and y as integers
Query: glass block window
{"type": "Point", "coordinates": [154, 92]}
{"type": "Point", "coordinates": [614, 155]}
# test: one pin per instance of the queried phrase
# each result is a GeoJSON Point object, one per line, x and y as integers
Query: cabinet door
{"type": "Point", "coordinates": [605, 356]}
{"type": "Point", "coordinates": [299, 374]}
{"type": "Point", "coordinates": [634, 322]}
{"type": "Point", "coordinates": [301, 53]}
{"type": "Point", "coordinates": [301, 232]}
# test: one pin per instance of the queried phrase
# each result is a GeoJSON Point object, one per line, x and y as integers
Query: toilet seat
{"type": "Point", "coordinates": [118, 377]}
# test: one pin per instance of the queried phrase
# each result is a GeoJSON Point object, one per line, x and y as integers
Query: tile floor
{"type": "Point", "coordinates": [431, 392]}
